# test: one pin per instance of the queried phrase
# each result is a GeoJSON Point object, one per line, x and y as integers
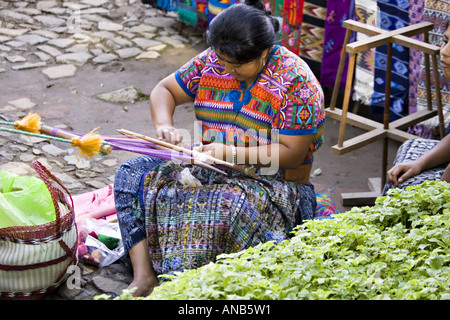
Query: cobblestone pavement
{"type": "Point", "coordinates": [55, 52]}
{"type": "Point", "coordinates": [61, 40]}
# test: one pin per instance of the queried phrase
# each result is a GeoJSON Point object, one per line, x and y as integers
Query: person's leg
{"type": "Point", "coordinates": [131, 221]}
{"type": "Point", "coordinates": [144, 277]}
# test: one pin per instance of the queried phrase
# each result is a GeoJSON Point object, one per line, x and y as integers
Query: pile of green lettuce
{"type": "Point", "coordinates": [397, 249]}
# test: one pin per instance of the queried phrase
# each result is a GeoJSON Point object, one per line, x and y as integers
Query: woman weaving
{"type": "Point", "coordinates": [254, 100]}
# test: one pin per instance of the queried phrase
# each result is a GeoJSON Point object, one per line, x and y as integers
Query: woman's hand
{"type": "Point", "coordinates": [169, 134]}
{"type": "Point", "coordinates": [217, 150]}
{"type": "Point", "coordinates": [403, 171]}
{"type": "Point", "coordinates": [166, 95]}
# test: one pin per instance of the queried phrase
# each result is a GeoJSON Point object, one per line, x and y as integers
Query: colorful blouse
{"type": "Point", "coordinates": [286, 98]}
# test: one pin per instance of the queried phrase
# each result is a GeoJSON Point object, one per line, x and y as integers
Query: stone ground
{"type": "Point", "coordinates": [86, 64]}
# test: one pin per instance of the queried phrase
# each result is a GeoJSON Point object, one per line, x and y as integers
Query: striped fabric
{"type": "Point", "coordinates": [187, 226]}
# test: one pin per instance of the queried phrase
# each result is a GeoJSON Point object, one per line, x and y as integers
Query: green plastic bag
{"type": "Point", "coordinates": [24, 201]}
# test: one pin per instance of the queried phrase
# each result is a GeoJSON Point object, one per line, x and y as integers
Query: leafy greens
{"type": "Point", "coordinates": [397, 249]}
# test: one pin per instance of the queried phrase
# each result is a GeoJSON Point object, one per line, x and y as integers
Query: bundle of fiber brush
{"type": "Point", "coordinates": [92, 143]}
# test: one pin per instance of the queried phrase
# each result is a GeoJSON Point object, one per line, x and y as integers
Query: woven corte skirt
{"type": "Point", "coordinates": [188, 226]}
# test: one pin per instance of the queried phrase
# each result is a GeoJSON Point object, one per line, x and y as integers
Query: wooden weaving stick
{"type": "Point", "coordinates": [171, 146]}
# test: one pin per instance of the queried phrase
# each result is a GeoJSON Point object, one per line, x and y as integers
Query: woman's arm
{"type": "Point", "coordinates": [166, 95]}
{"type": "Point", "coordinates": [436, 156]}
{"type": "Point", "coordinates": [288, 153]}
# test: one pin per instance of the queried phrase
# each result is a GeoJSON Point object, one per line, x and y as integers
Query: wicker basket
{"type": "Point", "coordinates": [34, 259]}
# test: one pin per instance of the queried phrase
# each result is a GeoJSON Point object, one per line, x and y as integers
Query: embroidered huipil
{"type": "Point", "coordinates": [285, 98]}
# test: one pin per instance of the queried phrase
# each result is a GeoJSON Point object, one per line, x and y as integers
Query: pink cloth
{"type": "Point", "coordinates": [95, 204]}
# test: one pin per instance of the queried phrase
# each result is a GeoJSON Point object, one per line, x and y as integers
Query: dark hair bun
{"type": "Point", "coordinates": [259, 4]}
{"type": "Point", "coordinates": [276, 24]}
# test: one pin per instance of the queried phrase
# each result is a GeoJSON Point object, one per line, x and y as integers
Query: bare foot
{"type": "Point", "coordinates": [144, 277]}
{"type": "Point", "coordinates": [143, 287]}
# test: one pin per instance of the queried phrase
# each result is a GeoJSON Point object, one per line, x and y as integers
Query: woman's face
{"type": "Point", "coordinates": [445, 53]}
{"type": "Point", "coordinates": [241, 72]}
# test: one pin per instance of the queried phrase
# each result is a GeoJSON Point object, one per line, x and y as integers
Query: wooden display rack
{"type": "Point", "coordinates": [386, 130]}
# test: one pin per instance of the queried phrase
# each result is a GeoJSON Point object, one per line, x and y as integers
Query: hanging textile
{"type": "Point", "coordinates": [202, 13]}
{"type": "Point", "coordinates": [415, 56]}
{"type": "Point", "coordinates": [198, 13]}
{"type": "Point", "coordinates": [292, 15]}
{"type": "Point", "coordinates": [313, 32]}
{"type": "Point", "coordinates": [215, 7]}
{"type": "Point", "coordinates": [187, 12]}
{"type": "Point", "coordinates": [276, 7]}
{"type": "Point", "coordinates": [393, 16]}
{"type": "Point", "coordinates": [437, 12]}
{"type": "Point", "coordinates": [337, 12]}
{"type": "Point", "coordinates": [366, 12]}
{"type": "Point", "coordinates": [169, 5]}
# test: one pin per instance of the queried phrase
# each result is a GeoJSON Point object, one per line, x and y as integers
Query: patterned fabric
{"type": "Point", "coordinates": [366, 11]}
{"type": "Point", "coordinates": [437, 12]}
{"type": "Point", "coordinates": [169, 5]}
{"type": "Point", "coordinates": [216, 6]}
{"type": "Point", "coordinates": [199, 13]}
{"type": "Point", "coordinates": [277, 7]}
{"type": "Point", "coordinates": [127, 183]}
{"type": "Point", "coordinates": [337, 12]}
{"type": "Point", "coordinates": [415, 56]}
{"type": "Point", "coordinates": [188, 226]}
{"type": "Point", "coordinates": [411, 150]}
{"type": "Point", "coordinates": [292, 16]}
{"type": "Point", "coordinates": [285, 98]}
{"type": "Point", "coordinates": [313, 31]}
{"type": "Point", "coordinates": [193, 225]}
{"type": "Point", "coordinates": [188, 13]}
{"type": "Point", "coordinates": [393, 16]}
{"type": "Point", "coordinates": [325, 208]}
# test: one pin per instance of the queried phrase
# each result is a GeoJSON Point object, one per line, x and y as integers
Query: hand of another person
{"type": "Point", "coordinates": [402, 172]}
{"type": "Point", "coordinates": [169, 134]}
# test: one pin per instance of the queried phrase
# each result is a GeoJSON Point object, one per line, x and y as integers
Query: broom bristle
{"type": "Point", "coordinates": [29, 123]}
{"type": "Point", "coordinates": [89, 144]}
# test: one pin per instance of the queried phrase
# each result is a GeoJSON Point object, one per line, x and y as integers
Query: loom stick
{"type": "Point", "coordinates": [201, 164]}
{"type": "Point", "coordinates": [55, 132]}
{"type": "Point", "coordinates": [190, 160]}
{"type": "Point", "coordinates": [187, 151]}
{"type": "Point", "coordinates": [89, 144]}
